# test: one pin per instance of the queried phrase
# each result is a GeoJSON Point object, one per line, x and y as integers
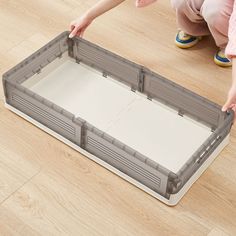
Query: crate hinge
{"type": "Point", "coordinates": [71, 43]}
{"type": "Point", "coordinates": [104, 74]}
{"type": "Point", "coordinates": [141, 81]}
{"type": "Point", "coordinates": [83, 135]}
{"type": "Point", "coordinates": [180, 113]}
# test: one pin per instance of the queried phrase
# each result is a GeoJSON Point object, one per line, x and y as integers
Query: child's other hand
{"type": "Point", "coordinates": [78, 26]}
{"type": "Point", "coordinates": [231, 101]}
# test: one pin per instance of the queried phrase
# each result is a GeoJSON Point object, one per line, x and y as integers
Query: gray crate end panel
{"type": "Point", "coordinates": [107, 148]}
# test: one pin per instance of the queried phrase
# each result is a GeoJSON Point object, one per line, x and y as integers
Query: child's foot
{"type": "Point", "coordinates": [183, 40]}
{"type": "Point", "coordinates": [144, 3]}
{"type": "Point", "coordinates": [221, 60]}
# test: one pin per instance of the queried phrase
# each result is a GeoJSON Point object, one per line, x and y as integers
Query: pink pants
{"type": "Point", "coordinates": [203, 17]}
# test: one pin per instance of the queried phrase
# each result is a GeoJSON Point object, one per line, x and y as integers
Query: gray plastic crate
{"type": "Point", "coordinates": [138, 78]}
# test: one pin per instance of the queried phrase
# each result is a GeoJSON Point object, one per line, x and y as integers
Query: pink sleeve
{"type": "Point", "coordinates": [231, 47]}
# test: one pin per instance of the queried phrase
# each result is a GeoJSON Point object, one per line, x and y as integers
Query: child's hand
{"type": "Point", "coordinates": [231, 101]}
{"type": "Point", "coordinates": [78, 26]}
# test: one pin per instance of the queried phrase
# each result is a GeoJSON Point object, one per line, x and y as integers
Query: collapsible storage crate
{"type": "Point", "coordinates": [150, 131]}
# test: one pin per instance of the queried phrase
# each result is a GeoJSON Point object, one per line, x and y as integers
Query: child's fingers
{"type": "Point", "coordinates": [229, 104]}
{"type": "Point", "coordinates": [74, 32]}
{"type": "Point", "coordinates": [225, 107]}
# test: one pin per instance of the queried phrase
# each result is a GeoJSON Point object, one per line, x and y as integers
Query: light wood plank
{"type": "Point", "coordinates": [69, 204]}
{"type": "Point", "coordinates": [15, 170]}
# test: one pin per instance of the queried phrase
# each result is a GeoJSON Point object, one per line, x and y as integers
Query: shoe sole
{"type": "Point", "coordinates": [222, 64]}
{"type": "Point", "coordinates": [187, 45]}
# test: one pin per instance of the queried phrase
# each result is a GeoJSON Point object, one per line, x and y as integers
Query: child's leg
{"type": "Point", "coordinates": [189, 18]}
{"type": "Point", "coordinates": [144, 3]}
{"type": "Point", "coordinates": [217, 14]}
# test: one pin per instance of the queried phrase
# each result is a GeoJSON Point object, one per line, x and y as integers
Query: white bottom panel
{"type": "Point", "coordinates": [174, 199]}
{"type": "Point", "coordinates": [148, 127]}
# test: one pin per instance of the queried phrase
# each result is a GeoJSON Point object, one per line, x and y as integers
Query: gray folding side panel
{"type": "Point", "coordinates": [108, 63]}
{"type": "Point", "coordinates": [38, 60]}
{"type": "Point", "coordinates": [126, 160]}
{"type": "Point", "coordinates": [45, 112]}
{"type": "Point", "coordinates": [145, 81]}
{"type": "Point", "coordinates": [40, 109]}
{"type": "Point", "coordinates": [181, 99]}
{"type": "Point", "coordinates": [204, 151]}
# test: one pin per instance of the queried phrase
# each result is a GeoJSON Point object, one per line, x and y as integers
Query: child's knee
{"type": "Point", "coordinates": [213, 14]}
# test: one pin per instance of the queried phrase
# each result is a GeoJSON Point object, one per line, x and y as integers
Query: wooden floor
{"type": "Point", "coordinates": [46, 188]}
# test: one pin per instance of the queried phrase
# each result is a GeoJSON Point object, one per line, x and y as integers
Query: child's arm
{"type": "Point", "coordinates": [231, 101]}
{"type": "Point", "coordinates": [231, 53]}
{"type": "Point", "coordinates": [79, 25]}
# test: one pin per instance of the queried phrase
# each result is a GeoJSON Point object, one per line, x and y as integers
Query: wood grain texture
{"type": "Point", "coordinates": [46, 188]}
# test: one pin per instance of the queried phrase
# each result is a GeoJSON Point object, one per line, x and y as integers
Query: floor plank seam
{"type": "Point", "coordinates": [27, 181]}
